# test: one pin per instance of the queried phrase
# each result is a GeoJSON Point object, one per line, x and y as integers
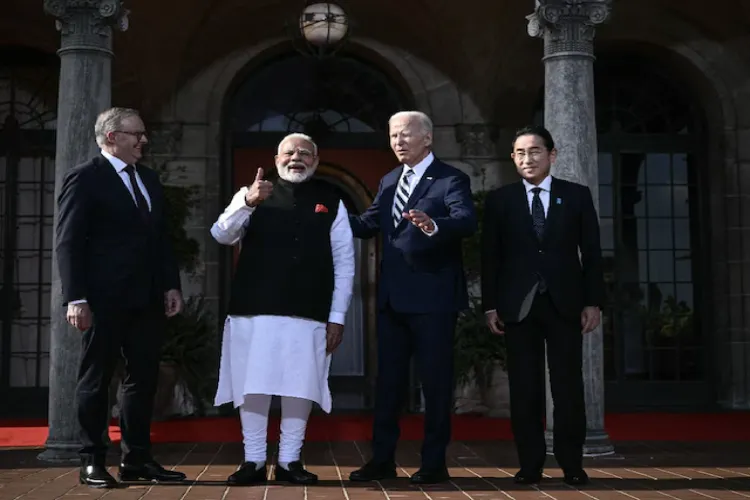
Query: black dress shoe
{"type": "Point", "coordinates": [248, 474]}
{"type": "Point", "coordinates": [295, 474]}
{"type": "Point", "coordinates": [430, 476]}
{"type": "Point", "coordinates": [373, 471]}
{"type": "Point", "coordinates": [578, 478]}
{"type": "Point", "coordinates": [528, 476]}
{"type": "Point", "coordinates": [148, 471]}
{"type": "Point", "coordinates": [96, 476]}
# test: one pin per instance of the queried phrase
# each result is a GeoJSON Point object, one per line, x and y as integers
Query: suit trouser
{"type": "Point", "coordinates": [137, 335]}
{"type": "Point", "coordinates": [429, 338]}
{"type": "Point", "coordinates": [525, 343]}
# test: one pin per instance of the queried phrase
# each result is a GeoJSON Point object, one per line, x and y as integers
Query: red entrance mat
{"type": "Point", "coordinates": [730, 426]}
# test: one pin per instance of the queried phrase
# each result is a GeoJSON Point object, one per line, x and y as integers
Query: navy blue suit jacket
{"type": "Point", "coordinates": [420, 273]}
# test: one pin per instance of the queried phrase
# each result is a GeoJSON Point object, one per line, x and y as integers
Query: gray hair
{"type": "Point", "coordinates": [111, 121]}
{"type": "Point", "coordinates": [303, 137]}
{"type": "Point", "coordinates": [424, 121]}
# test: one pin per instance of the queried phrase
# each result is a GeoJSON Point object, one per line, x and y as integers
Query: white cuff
{"type": "Point", "coordinates": [337, 317]}
{"type": "Point", "coordinates": [434, 229]}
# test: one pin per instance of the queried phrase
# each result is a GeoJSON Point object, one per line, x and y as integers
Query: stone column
{"type": "Point", "coordinates": [85, 91]}
{"type": "Point", "coordinates": [568, 28]}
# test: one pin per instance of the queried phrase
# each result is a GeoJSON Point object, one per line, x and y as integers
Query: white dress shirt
{"type": "Point", "coordinates": [119, 167]}
{"type": "Point", "coordinates": [546, 186]}
{"type": "Point", "coordinates": [419, 170]}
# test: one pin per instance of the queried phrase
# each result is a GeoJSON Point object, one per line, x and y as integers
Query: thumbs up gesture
{"type": "Point", "coordinates": [258, 191]}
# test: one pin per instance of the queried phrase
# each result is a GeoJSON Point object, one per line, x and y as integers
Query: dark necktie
{"type": "Point", "coordinates": [140, 200]}
{"type": "Point", "coordinates": [537, 213]}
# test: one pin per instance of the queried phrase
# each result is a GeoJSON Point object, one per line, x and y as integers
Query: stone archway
{"type": "Point", "coordinates": [191, 130]}
{"type": "Point", "coordinates": [191, 134]}
{"type": "Point", "coordinates": [717, 77]}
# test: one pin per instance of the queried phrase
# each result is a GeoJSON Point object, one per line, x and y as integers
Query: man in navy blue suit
{"type": "Point", "coordinates": [422, 210]}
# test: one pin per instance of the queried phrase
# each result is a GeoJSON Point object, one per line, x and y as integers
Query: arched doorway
{"type": "Point", "coordinates": [651, 159]}
{"type": "Point", "coordinates": [28, 113]}
{"type": "Point", "coordinates": [344, 103]}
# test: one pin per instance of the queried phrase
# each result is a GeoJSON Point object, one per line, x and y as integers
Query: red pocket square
{"type": "Point", "coordinates": [320, 208]}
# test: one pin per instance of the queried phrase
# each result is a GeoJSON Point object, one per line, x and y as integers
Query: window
{"type": "Point", "coordinates": [28, 92]}
{"type": "Point", "coordinates": [340, 95]}
{"type": "Point", "coordinates": [648, 147]}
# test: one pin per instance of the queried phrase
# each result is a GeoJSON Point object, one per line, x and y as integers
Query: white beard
{"type": "Point", "coordinates": [295, 177]}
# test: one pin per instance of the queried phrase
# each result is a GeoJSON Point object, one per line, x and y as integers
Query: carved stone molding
{"type": "Point", "coordinates": [568, 26]}
{"type": "Point", "coordinates": [477, 140]}
{"type": "Point", "coordinates": [164, 140]}
{"type": "Point", "coordinates": [87, 24]}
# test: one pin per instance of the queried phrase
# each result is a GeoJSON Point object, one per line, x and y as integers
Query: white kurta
{"type": "Point", "coordinates": [281, 355]}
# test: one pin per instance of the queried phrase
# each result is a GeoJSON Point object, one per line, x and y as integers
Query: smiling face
{"type": "Point", "coordinates": [296, 161]}
{"type": "Point", "coordinates": [532, 158]}
{"type": "Point", "coordinates": [409, 141]}
{"type": "Point", "coordinates": [126, 143]}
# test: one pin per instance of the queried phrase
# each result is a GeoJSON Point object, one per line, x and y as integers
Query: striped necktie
{"type": "Point", "coordinates": [402, 196]}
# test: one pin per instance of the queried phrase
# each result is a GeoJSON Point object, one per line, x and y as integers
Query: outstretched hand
{"type": "Point", "coordinates": [420, 219]}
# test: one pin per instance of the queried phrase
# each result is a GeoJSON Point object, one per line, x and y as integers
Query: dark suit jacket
{"type": "Point", "coordinates": [106, 253]}
{"type": "Point", "coordinates": [512, 255]}
{"type": "Point", "coordinates": [420, 273]}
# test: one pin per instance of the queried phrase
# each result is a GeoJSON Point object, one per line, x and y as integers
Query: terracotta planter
{"type": "Point", "coordinates": [497, 396]}
{"type": "Point", "coordinates": [492, 401]}
{"type": "Point", "coordinates": [165, 388]}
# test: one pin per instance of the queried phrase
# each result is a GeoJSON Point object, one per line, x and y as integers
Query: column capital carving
{"type": "Point", "coordinates": [87, 24]}
{"type": "Point", "coordinates": [477, 140]}
{"type": "Point", "coordinates": [568, 26]}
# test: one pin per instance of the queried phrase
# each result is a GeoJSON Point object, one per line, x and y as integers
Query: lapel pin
{"type": "Point", "coordinates": [559, 201]}
{"type": "Point", "coordinates": [429, 178]}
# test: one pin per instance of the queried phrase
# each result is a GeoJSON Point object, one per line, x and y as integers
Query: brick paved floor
{"type": "Point", "coordinates": [647, 471]}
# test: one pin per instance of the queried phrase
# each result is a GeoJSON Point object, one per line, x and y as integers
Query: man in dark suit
{"type": "Point", "coordinates": [536, 288]}
{"type": "Point", "coordinates": [423, 209]}
{"type": "Point", "coordinates": [119, 280]}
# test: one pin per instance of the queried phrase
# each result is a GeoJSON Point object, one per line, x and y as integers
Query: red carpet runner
{"type": "Point", "coordinates": [621, 427]}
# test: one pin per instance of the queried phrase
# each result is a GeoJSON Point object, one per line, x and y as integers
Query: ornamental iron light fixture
{"type": "Point", "coordinates": [321, 29]}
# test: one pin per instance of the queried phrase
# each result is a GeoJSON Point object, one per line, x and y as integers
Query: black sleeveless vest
{"type": "Point", "coordinates": [285, 266]}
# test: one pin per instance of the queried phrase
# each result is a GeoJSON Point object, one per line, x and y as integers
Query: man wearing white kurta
{"type": "Point", "coordinates": [290, 294]}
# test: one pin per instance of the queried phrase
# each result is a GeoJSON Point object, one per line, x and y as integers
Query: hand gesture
{"type": "Point", "coordinates": [494, 323]}
{"type": "Point", "coordinates": [79, 316]}
{"type": "Point", "coordinates": [334, 336]}
{"type": "Point", "coordinates": [420, 219]}
{"type": "Point", "coordinates": [259, 190]}
{"type": "Point", "coordinates": [590, 318]}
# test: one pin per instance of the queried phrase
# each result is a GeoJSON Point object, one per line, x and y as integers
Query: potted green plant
{"type": "Point", "coordinates": [190, 353]}
{"type": "Point", "coordinates": [190, 357]}
{"type": "Point", "coordinates": [479, 356]}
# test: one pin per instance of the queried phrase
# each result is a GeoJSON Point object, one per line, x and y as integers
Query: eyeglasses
{"type": "Point", "coordinates": [534, 154]}
{"type": "Point", "coordinates": [138, 135]}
